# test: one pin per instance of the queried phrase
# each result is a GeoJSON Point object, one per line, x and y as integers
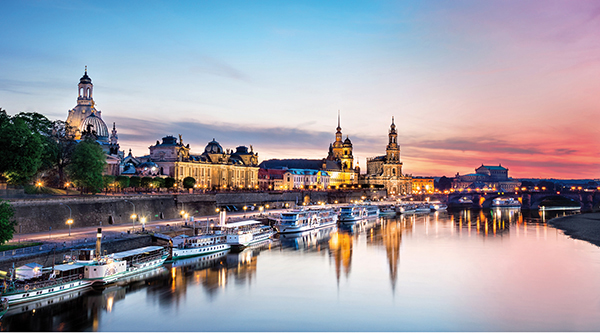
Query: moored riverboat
{"type": "Point", "coordinates": [300, 220]}
{"type": "Point", "coordinates": [387, 210]}
{"type": "Point", "coordinates": [245, 233]}
{"type": "Point", "coordinates": [506, 203]}
{"type": "Point", "coordinates": [438, 206]}
{"type": "Point", "coordinates": [101, 270]}
{"type": "Point", "coordinates": [199, 246]}
{"type": "Point", "coordinates": [355, 213]}
{"type": "Point", "coordinates": [44, 283]}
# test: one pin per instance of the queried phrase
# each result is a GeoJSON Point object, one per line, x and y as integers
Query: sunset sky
{"type": "Point", "coordinates": [468, 82]}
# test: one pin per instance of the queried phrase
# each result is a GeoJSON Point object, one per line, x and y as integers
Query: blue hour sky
{"type": "Point", "coordinates": [468, 82]}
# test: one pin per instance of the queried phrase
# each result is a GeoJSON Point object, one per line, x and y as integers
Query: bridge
{"type": "Point", "coordinates": [588, 200]}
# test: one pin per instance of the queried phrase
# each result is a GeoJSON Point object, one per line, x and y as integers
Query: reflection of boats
{"type": "Point", "coordinates": [299, 220]}
{"type": "Point", "coordinates": [245, 233]}
{"type": "Point", "coordinates": [355, 213]}
{"type": "Point", "coordinates": [506, 202]}
{"type": "Point", "coordinates": [306, 239]}
{"type": "Point", "coordinates": [465, 201]}
{"type": "Point", "coordinates": [200, 262]}
{"type": "Point", "coordinates": [549, 208]}
{"type": "Point", "coordinates": [50, 300]}
{"type": "Point", "coordinates": [387, 210]}
{"type": "Point", "coordinates": [110, 268]}
{"type": "Point", "coordinates": [43, 283]}
{"type": "Point", "coordinates": [199, 245]}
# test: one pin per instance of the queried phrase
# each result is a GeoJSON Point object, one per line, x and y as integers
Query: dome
{"type": "Point", "coordinates": [85, 79]}
{"type": "Point", "coordinates": [347, 141]}
{"type": "Point", "coordinates": [96, 125]}
{"type": "Point", "coordinates": [213, 147]}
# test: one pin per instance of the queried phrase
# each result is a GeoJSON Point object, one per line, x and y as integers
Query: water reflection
{"type": "Point", "coordinates": [444, 270]}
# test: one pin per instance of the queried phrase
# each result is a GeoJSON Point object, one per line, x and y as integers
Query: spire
{"type": "Point", "coordinates": [338, 127]}
{"type": "Point", "coordinates": [392, 120]}
{"type": "Point", "coordinates": [85, 69]}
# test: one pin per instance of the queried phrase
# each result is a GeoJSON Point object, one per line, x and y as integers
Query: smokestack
{"type": "Point", "coordinates": [99, 243]}
{"type": "Point", "coordinates": [222, 217]}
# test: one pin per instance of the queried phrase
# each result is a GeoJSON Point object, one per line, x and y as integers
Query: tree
{"type": "Point", "coordinates": [547, 184]}
{"type": "Point", "coordinates": [7, 224]}
{"type": "Point", "coordinates": [122, 182]}
{"type": "Point", "coordinates": [134, 182]}
{"type": "Point", "coordinates": [145, 182]}
{"type": "Point", "coordinates": [158, 182]}
{"type": "Point", "coordinates": [20, 149]}
{"type": "Point", "coordinates": [189, 182]}
{"type": "Point", "coordinates": [169, 182]}
{"type": "Point", "coordinates": [527, 183]}
{"type": "Point", "coordinates": [88, 162]}
{"type": "Point", "coordinates": [108, 181]}
{"type": "Point", "coordinates": [444, 183]}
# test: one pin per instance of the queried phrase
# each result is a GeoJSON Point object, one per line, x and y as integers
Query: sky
{"type": "Point", "coordinates": [505, 82]}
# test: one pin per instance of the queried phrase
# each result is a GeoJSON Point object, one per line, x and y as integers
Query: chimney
{"type": "Point", "coordinates": [99, 243]}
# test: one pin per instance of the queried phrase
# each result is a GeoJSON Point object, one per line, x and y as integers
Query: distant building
{"type": "Point", "coordinates": [386, 170]}
{"type": "Point", "coordinates": [423, 185]}
{"type": "Point", "coordinates": [305, 179]}
{"type": "Point", "coordinates": [486, 177]}
{"type": "Point", "coordinates": [337, 166]}
{"type": "Point", "coordinates": [84, 117]}
{"type": "Point", "coordinates": [215, 168]}
{"type": "Point", "coordinates": [270, 179]}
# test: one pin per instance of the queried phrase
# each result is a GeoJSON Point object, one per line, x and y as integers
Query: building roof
{"type": "Point", "coordinates": [213, 147]}
{"type": "Point", "coordinates": [97, 124]}
{"type": "Point", "coordinates": [493, 167]}
{"type": "Point", "coordinates": [299, 163]}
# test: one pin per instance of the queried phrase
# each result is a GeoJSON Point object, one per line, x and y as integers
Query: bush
{"type": "Point", "coordinates": [122, 181]}
{"type": "Point", "coordinates": [169, 182]}
{"type": "Point", "coordinates": [145, 182]}
{"type": "Point", "coordinates": [134, 181]}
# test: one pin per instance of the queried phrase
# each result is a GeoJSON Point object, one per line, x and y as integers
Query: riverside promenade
{"type": "Point", "coordinates": [581, 226]}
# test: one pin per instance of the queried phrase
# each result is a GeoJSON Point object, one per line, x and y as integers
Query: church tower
{"type": "Point", "coordinates": [86, 107]}
{"type": "Point", "coordinates": [392, 166]}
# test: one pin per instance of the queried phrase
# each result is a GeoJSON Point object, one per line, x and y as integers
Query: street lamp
{"type": "Point", "coordinates": [133, 216]}
{"type": "Point", "coordinates": [143, 220]}
{"type": "Point", "coordinates": [70, 220]}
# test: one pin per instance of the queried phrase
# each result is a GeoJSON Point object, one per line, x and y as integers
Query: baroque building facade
{"type": "Point", "coordinates": [214, 168]}
{"type": "Point", "coordinates": [486, 177]}
{"type": "Point", "coordinates": [335, 170]}
{"type": "Point", "coordinates": [85, 118]}
{"type": "Point", "coordinates": [386, 170]}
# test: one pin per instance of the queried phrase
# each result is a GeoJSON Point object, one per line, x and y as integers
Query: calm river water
{"type": "Point", "coordinates": [455, 271]}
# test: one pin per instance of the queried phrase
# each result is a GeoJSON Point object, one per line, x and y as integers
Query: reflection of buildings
{"type": "Point", "coordinates": [386, 170]}
{"type": "Point", "coordinates": [340, 248]}
{"type": "Point", "coordinates": [495, 223]}
{"type": "Point", "coordinates": [390, 236]}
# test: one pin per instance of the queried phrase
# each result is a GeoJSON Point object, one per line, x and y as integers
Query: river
{"type": "Point", "coordinates": [457, 271]}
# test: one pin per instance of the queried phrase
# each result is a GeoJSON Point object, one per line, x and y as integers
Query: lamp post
{"type": "Point", "coordinates": [133, 216]}
{"type": "Point", "coordinates": [70, 220]}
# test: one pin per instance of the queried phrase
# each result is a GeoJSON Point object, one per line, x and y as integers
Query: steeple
{"type": "Point", "coordinates": [339, 129]}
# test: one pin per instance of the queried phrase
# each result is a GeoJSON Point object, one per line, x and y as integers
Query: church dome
{"type": "Point", "coordinates": [85, 79]}
{"type": "Point", "coordinates": [347, 142]}
{"type": "Point", "coordinates": [213, 147]}
{"type": "Point", "coordinates": [96, 125]}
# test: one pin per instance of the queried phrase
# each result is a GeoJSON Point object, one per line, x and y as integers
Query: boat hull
{"type": "Point", "coordinates": [31, 295]}
{"type": "Point", "coordinates": [198, 251]}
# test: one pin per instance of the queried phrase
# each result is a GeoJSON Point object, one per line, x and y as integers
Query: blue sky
{"type": "Point", "coordinates": [469, 82]}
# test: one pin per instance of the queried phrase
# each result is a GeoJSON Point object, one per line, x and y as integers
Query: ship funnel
{"type": "Point", "coordinates": [99, 242]}
{"type": "Point", "coordinates": [222, 217]}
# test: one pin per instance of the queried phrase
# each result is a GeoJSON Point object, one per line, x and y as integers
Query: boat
{"type": "Point", "coordinates": [299, 220]}
{"type": "Point", "coordinates": [245, 233]}
{"type": "Point", "coordinates": [43, 283]}
{"type": "Point", "coordinates": [423, 208]}
{"type": "Point", "coordinates": [506, 202]}
{"type": "Point", "coordinates": [387, 210]}
{"type": "Point", "coordinates": [437, 206]}
{"type": "Point", "coordinates": [102, 270]}
{"type": "Point", "coordinates": [3, 307]}
{"type": "Point", "coordinates": [199, 245]}
{"type": "Point", "coordinates": [407, 209]}
{"type": "Point", "coordinates": [355, 213]}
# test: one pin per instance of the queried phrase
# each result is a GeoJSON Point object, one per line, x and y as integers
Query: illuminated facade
{"type": "Point", "coordinates": [486, 177]}
{"type": "Point", "coordinates": [386, 170]}
{"type": "Point", "coordinates": [215, 168]}
{"type": "Point", "coordinates": [422, 185]}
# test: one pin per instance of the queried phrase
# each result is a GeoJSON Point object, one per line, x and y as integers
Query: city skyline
{"type": "Point", "coordinates": [468, 83]}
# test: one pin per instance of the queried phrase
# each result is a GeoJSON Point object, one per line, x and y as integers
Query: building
{"type": "Point", "coordinates": [270, 179]}
{"type": "Point", "coordinates": [423, 185]}
{"type": "Point", "coordinates": [214, 168]}
{"type": "Point", "coordinates": [85, 118]}
{"type": "Point", "coordinates": [386, 170]}
{"type": "Point", "coordinates": [486, 177]}
{"type": "Point", "coordinates": [337, 165]}
{"type": "Point", "coordinates": [305, 179]}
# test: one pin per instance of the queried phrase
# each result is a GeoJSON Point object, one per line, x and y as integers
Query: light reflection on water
{"type": "Point", "coordinates": [466, 270]}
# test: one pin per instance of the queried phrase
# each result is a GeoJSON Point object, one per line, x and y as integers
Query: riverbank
{"type": "Point", "coordinates": [581, 226]}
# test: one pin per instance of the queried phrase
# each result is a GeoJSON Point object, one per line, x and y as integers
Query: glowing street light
{"type": "Point", "coordinates": [143, 220]}
{"type": "Point", "coordinates": [70, 220]}
{"type": "Point", "coordinates": [133, 215]}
